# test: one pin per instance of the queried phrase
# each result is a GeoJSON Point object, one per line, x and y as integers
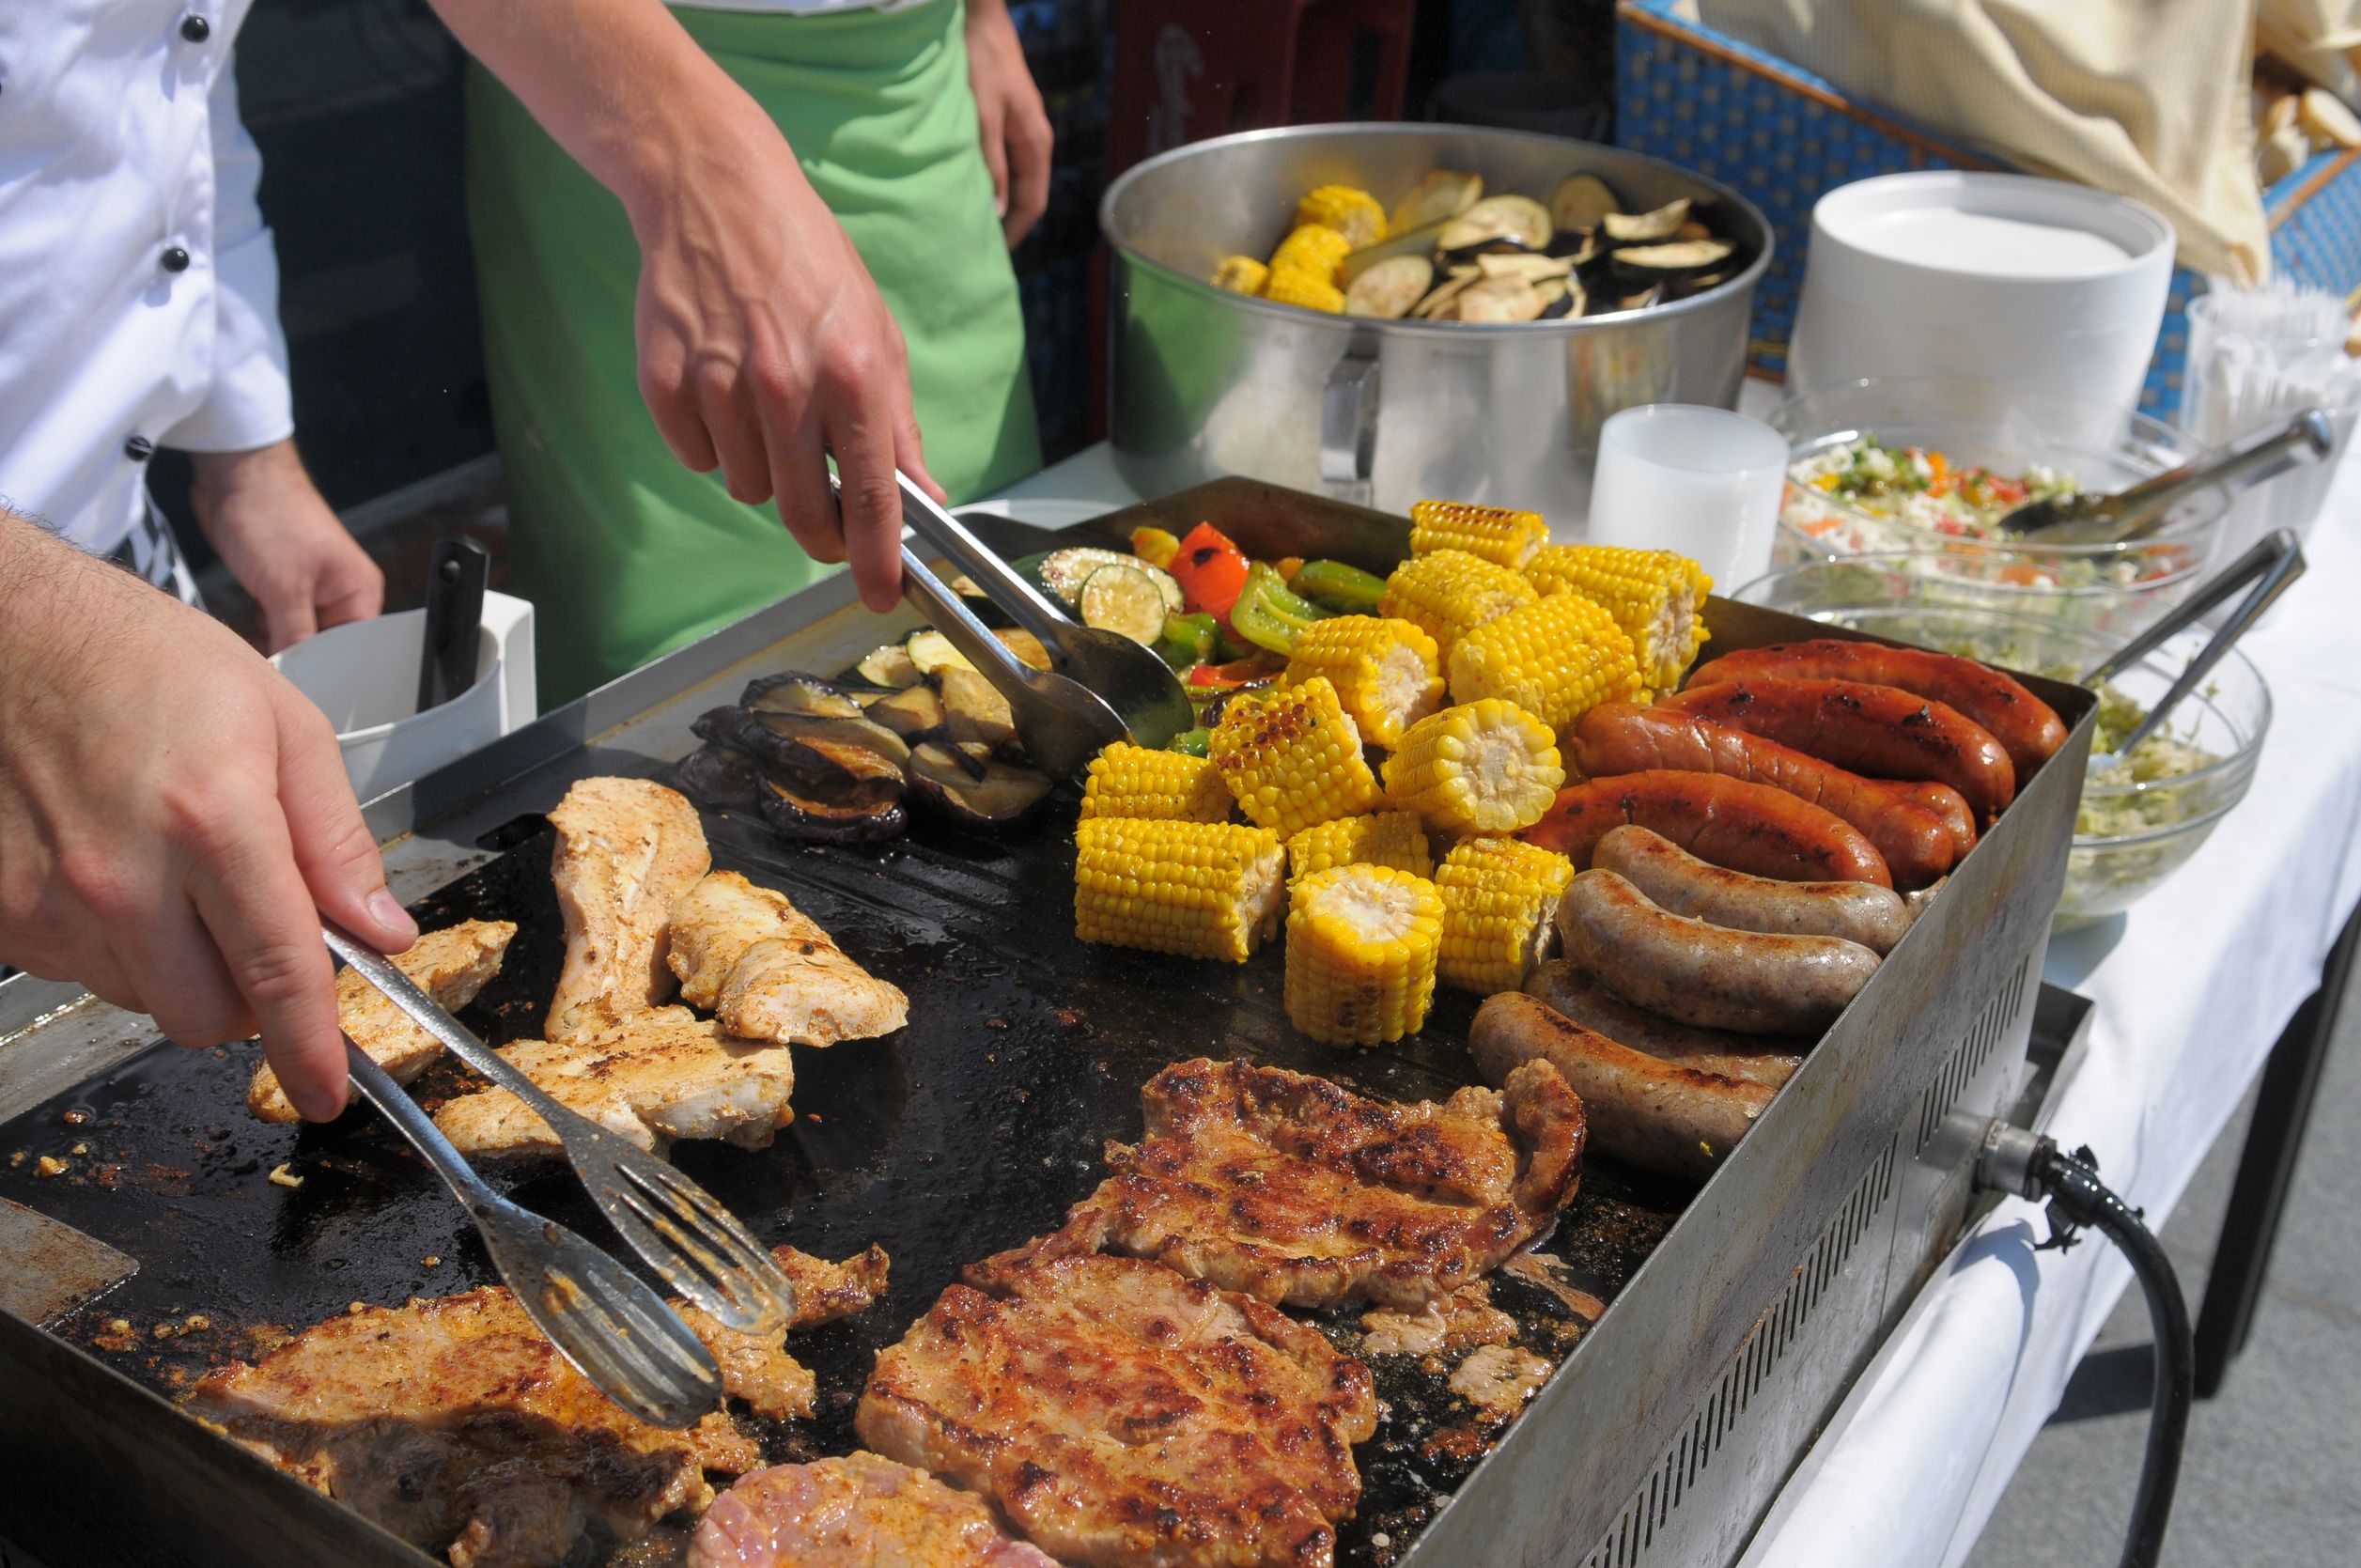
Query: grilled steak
{"type": "Point", "coordinates": [453, 1423]}
{"type": "Point", "coordinates": [858, 1511]}
{"type": "Point", "coordinates": [1293, 1189]}
{"type": "Point", "coordinates": [626, 849]}
{"type": "Point", "coordinates": [1119, 1414]}
{"type": "Point", "coordinates": [767, 971]}
{"type": "Point", "coordinates": [661, 1075]}
{"type": "Point", "coordinates": [450, 965]}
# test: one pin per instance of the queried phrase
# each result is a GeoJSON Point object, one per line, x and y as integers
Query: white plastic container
{"type": "Point", "coordinates": [2035, 285]}
{"type": "Point", "coordinates": [1704, 482]}
{"type": "Point", "coordinates": [364, 676]}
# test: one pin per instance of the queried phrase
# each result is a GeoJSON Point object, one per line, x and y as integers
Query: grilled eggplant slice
{"type": "Point", "coordinates": [718, 777]}
{"type": "Point", "coordinates": [1523, 265]}
{"type": "Point", "coordinates": [797, 810]}
{"type": "Point", "coordinates": [1679, 258]}
{"type": "Point", "coordinates": [1419, 242]}
{"type": "Point", "coordinates": [797, 693]}
{"type": "Point", "coordinates": [1438, 195]}
{"type": "Point", "coordinates": [1652, 294]}
{"type": "Point", "coordinates": [1560, 297]}
{"type": "Point", "coordinates": [829, 750]}
{"type": "Point", "coordinates": [1390, 288]}
{"type": "Point", "coordinates": [930, 650]}
{"type": "Point", "coordinates": [1437, 306]}
{"type": "Point", "coordinates": [1582, 201]}
{"type": "Point", "coordinates": [911, 712]}
{"type": "Point", "coordinates": [1578, 248]}
{"type": "Point", "coordinates": [1498, 300]}
{"type": "Point", "coordinates": [891, 667]}
{"type": "Point", "coordinates": [1518, 218]}
{"type": "Point", "coordinates": [967, 785]}
{"type": "Point", "coordinates": [974, 710]}
{"type": "Point", "coordinates": [1627, 228]}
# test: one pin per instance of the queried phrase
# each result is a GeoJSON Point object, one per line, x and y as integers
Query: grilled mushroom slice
{"type": "Point", "coordinates": [1388, 290]}
{"type": "Point", "coordinates": [797, 693]}
{"type": "Point", "coordinates": [1680, 257]}
{"type": "Point", "coordinates": [1518, 218]}
{"type": "Point", "coordinates": [974, 710]}
{"type": "Point", "coordinates": [1581, 201]}
{"type": "Point", "coordinates": [1626, 228]}
{"type": "Point", "coordinates": [1439, 194]}
{"type": "Point", "coordinates": [797, 810]}
{"type": "Point", "coordinates": [720, 778]}
{"type": "Point", "coordinates": [914, 711]}
{"type": "Point", "coordinates": [968, 786]}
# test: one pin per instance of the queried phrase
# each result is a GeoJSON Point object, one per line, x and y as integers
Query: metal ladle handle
{"type": "Point", "coordinates": [2256, 456]}
{"type": "Point", "coordinates": [2272, 565]}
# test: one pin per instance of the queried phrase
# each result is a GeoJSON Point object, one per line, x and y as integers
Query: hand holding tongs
{"type": "Point", "coordinates": [2273, 565]}
{"type": "Point", "coordinates": [601, 1316]}
{"type": "Point", "coordinates": [1106, 688]}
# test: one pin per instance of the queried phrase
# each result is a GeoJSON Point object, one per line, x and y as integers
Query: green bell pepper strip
{"type": "Point", "coordinates": [1192, 742]}
{"type": "Point", "coordinates": [1188, 641]}
{"type": "Point", "coordinates": [1268, 613]}
{"type": "Point", "coordinates": [1348, 589]}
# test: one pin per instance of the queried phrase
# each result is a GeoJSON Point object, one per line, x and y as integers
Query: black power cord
{"type": "Point", "coordinates": [2032, 1167]}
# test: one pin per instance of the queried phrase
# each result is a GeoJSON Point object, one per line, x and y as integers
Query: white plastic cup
{"type": "Point", "coordinates": [1705, 482]}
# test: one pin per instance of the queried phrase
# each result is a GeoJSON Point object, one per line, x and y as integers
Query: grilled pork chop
{"type": "Point", "coordinates": [626, 849]}
{"type": "Point", "coordinates": [660, 1075]}
{"type": "Point", "coordinates": [1119, 1414]}
{"type": "Point", "coordinates": [453, 1423]}
{"type": "Point", "coordinates": [858, 1511]}
{"type": "Point", "coordinates": [767, 971]}
{"type": "Point", "coordinates": [451, 965]}
{"type": "Point", "coordinates": [1295, 1190]}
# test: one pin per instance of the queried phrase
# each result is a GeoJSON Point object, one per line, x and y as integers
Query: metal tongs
{"type": "Point", "coordinates": [602, 1317]}
{"type": "Point", "coordinates": [2096, 517]}
{"type": "Point", "coordinates": [1106, 687]}
{"type": "Point", "coordinates": [2272, 565]}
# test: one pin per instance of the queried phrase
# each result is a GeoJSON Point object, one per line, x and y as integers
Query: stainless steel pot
{"type": "Point", "coordinates": [1207, 383]}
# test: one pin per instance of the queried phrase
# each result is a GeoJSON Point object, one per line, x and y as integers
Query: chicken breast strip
{"type": "Point", "coordinates": [626, 849]}
{"type": "Point", "coordinates": [767, 971]}
{"type": "Point", "coordinates": [452, 965]}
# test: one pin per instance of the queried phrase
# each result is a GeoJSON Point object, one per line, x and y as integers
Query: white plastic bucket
{"type": "Point", "coordinates": [364, 676]}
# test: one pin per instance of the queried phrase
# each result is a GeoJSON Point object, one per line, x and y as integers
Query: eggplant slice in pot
{"type": "Point", "coordinates": [1582, 201]}
{"type": "Point", "coordinates": [1625, 229]}
{"type": "Point", "coordinates": [968, 785]}
{"type": "Point", "coordinates": [1681, 257]}
{"type": "Point", "coordinates": [1518, 218]}
{"type": "Point", "coordinates": [1387, 290]}
{"type": "Point", "coordinates": [1441, 195]}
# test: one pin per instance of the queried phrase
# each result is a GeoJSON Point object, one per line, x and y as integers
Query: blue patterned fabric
{"type": "Point", "coordinates": [1704, 99]}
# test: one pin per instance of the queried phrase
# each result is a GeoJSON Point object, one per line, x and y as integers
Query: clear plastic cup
{"type": "Point", "coordinates": [1703, 481]}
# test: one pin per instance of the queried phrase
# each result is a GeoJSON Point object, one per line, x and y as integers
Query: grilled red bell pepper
{"type": "Point", "coordinates": [1211, 570]}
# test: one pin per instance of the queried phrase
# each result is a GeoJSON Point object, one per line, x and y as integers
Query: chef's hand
{"type": "Point", "coordinates": [174, 818]}
{"type": "Point", "coordinates": [1015, 126]}
{"type": "Point", "coordinates": [275, 532]}
{"type": "Point", "coordinates": [764, 344]}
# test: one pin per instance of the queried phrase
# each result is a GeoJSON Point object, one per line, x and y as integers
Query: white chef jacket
{"type": "Point", "coordinates": [138, 288]}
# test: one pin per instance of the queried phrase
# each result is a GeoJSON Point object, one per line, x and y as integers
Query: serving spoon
{"type": "Point", "coordinates": [2273, 565]}
{"type": "Point", "coordinates": [2091, 517]}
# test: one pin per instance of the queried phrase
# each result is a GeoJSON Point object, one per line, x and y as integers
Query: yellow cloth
{"type": "Point", "coordinates": [2144, 98]}
{"type": "Point", "coordinates": [2320, 39]}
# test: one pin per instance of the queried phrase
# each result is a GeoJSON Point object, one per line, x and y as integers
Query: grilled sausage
{"type": "Point", "coordinates": [1673, 879]}
{"type": "Point", "coordinates": [2027, 727]}
{"type": "Point", "coordinates": [1698, 973]}
{"type": "Point", "coordinates": [1639, 1110]}
{"type": "Point", "coordinates": [1944, 802]}
{"type": "Point", "coordinates": [1614, 739]}
{"type": "Point", "coordinates": [1745, 826]}
{"type": "Point", "coordinates": [1570, 989]}
{"type": "Point", "coordinates": [1879, 730]}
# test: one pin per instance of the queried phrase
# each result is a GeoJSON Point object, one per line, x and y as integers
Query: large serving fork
{"type": "Point", "coordinates": [600, 1315]}
{"type": "Point", "coordinates": [682, 1230]}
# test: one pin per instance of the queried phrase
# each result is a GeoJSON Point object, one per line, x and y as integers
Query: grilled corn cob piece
{"type": "Point", "coordinates": [1355, 214]}
{"type": "Point", "coordinates": [1388, 674]}
{"type": "Point", "coordinates": [1312, 249]}
{"type": "Point", "coordinates": [1361, 946]}
{"type": "Point", "coordinates": [1241, 274]}
{"type": "Point", "coordinates": [1556, 659]}
{"type": "Point", "coordinates": [1292, 286]}
{"type": "Point", "coordinates": [1202, 890]}
{"type": "Point", "coordinates": [1657, 596]}
{"type": "Point", "coordinates": [1446, 592]}
{"type": "Point", "coordinates": [1485, 766]}
{"type": "Point", "coordinates": [1499, 899]}
{"type": "Point", "coordinates": [1502, 535]}
{"type": "Point", "coordinates": [1292, 757]}
{"type": "Point", "coordinates": [1170, 786]}
{"type": "Point", "coordinates": [1390, 838]}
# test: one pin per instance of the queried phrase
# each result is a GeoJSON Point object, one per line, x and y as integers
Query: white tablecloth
{"type": "Point", "coordinates": [2190, 990]}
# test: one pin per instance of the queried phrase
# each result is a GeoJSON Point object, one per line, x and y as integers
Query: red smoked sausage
{"type": "Point", "coordinates": [1944, 802]}
{"type": "Point", "coordinates": [2027, 726]}
{"type": "Point", "coordinates": [1879, 730]}
{"type": "Point", "coordinates": [1620, 737]}
{"type": "Point", "coordinates": [1747, 827]}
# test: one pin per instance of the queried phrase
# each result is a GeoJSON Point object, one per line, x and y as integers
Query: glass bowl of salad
{"type": "Point", "coordinates": [2139, 819]}
{"type": "Point", "coordinates": [1931, 465]}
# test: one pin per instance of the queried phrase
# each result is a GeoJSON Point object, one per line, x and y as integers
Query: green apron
{"type": "Point", "coordinates": [626, 554]}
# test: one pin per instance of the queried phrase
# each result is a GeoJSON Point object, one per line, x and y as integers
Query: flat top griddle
{"type": "Point", "coordinates": [968, 1132]}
